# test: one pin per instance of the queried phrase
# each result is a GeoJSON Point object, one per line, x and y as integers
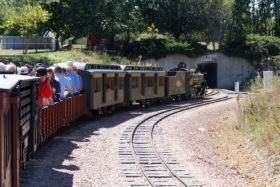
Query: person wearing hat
{"type": "Point", "coordinates": [45, 93]}
{"type": "Point", "coordinates": [75, 78]}
{"type": "Point", "coordinates": [24, 70]}
{"type": "Point", "coordinates": [33, 72]}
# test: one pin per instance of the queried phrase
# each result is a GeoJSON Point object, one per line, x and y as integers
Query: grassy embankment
{"type": "Point", "coordinates": [77, 54]}
{"type": "Point", "coordinates": [260, 115]}
{"type": "Point", "coordinates": [249, 142]}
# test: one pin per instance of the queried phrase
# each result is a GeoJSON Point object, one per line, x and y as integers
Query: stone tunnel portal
{"type": "Point", "coordinates": [210, 71]}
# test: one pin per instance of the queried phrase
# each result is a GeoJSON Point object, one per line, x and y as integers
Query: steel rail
{"type": "Point", "coordinates": [176, 110]}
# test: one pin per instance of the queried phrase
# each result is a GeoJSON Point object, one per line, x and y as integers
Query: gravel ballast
{"type": "Point", "coordinates": [87, 155]}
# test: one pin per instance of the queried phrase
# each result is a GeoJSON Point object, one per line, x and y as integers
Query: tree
{"type": "Point", "coordinates": [129, 16]}
{"type": "Point", "coordinates": [26, 19]}
{"type": "Point", "coordinates": [175, 17]}
{"type": "Point", "coordinates": [276, 10]}
{"type": "Point", "coordinates": [218, 14]}
{"type": "Point", "coordinates": [240, 20]}
{"type": "Point", "coordinates": [265, 15]}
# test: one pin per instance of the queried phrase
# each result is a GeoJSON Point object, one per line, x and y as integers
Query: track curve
{"type": "Point", "coordinates": [144, 164]}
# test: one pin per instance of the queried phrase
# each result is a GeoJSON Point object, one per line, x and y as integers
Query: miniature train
{"type": "Point", "coordinates": [24, 125]}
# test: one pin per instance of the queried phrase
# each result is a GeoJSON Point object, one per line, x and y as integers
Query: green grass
{"type": "Point", "coordinates": [78, 54]}
{"type": "Point", "coordinates": [260, 115]}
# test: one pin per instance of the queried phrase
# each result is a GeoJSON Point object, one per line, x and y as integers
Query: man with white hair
{"type": "Point", "coordinates": [2, 67]}
{"type": "Point", "coordinates": [75, 78]}
{"type": "Point", "coordinates": [11, 67]}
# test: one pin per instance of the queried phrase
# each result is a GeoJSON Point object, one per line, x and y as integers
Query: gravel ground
{"type": "Point", "coordinates": [193, 148]}
{"type": "Point", "coordinates": [87, 155]}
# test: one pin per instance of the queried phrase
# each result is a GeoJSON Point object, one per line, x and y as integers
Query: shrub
{"type": "Point", "coordinates": [253, 47]}
{"type": "Point", "coordinates": [81, 41]}
{"type": "Point", "coordinates": [159, 48]}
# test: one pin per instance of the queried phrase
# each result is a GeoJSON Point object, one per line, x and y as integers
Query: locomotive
{"type": "Point", "coordinates": [24, 126]}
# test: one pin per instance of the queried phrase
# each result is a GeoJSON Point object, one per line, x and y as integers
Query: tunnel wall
{"type": "Point", "coordinates": [229, 69]}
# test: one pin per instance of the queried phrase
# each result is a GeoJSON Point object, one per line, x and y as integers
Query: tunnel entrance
{"type": "Point", "coordinates": [210, 71]}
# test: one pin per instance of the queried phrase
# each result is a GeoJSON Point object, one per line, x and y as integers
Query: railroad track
{"type": "Point", "coordinates": [146, 163]}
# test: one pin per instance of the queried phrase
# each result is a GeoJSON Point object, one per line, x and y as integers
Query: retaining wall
{"type": "Point", "coordinates": [229, 69]}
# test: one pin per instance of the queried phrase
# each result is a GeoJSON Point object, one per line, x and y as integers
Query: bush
{"type": "Point", "coordinates": [253, 47]}
{"type": "Point", "coordinates": [81, 41]}
{"type": "Point", "coordinates": [159, 48]}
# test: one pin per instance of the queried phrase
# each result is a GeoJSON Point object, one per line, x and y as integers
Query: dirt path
{"type": "Point", "coordinates": [193, 147]}
{"type": "Point", "coordinates": [215, 152]}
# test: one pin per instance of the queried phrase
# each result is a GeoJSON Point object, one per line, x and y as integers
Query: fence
{"type": "Point", "coordinates": [17, 42]}
{"type": "Point", "coordinates": [56, 116]}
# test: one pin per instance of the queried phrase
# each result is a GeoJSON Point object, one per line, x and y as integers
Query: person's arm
{"type": "Point", "coordinates": [68, 86]}
{"type": "Point", "coordinates": [78, 83]}
{"type": "Point", "coordinates": [49, 92]}
{"type": "Point", "coordinates": [81, 83]}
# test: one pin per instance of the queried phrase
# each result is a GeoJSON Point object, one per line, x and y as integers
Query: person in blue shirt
{"type": "Point", "coordinates": [73, 76]}
{"type": "Point", "coordinates": [75, 70]}
{"type": "Point", "coordinates": [65, 88]}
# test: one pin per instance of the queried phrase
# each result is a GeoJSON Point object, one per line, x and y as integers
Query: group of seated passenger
{"type": "Point", "coordinates": [11, 68]}
{"type": "Point", "coordinates": [57, 82]}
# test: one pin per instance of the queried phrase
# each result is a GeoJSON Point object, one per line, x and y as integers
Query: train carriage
{"type": "Point", "coordinates": [106, 87]}
{"type": "Point", "coordinates": [143, 83]}
{"type": "Point", "coordinates": [19, 125]}
{"type": "Point", "coordinates": [103, 84]}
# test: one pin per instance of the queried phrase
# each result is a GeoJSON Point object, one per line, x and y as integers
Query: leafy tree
{"type": "Point", "coordinates": [57, 18]}
{"type": "Point", "coordinates": [129, 16]}
{"type": "Point", "coordinates": [240, 20]}
{"type": "Point", "coordinates": [218, 14]}
{"type": "Point", "coordinates": [175, 17]}
{"type": "Point", "coordinates": [276, 12]}
{"type": "Point", "coordinates": [77, 18]}
{"type": "Point", "coordinates": [265, 14]}
{"type": "Point", "coordinates": [26, 19]}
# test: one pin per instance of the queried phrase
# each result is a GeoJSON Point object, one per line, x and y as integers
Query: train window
{"type": "Point", "coordinates": [149, 81]}
{"type": "Point", "coordinates": [161, 81]}
{"type": "Point", "coordinates": [121, 83]}
{"type": "Point", "coordinates": [135, 82]}
{"type": "Point", "coordinates": [110, 82]}
{"type": "Point", "coordinates": [96, 84]}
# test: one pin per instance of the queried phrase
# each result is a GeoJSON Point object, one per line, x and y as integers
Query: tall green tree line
{"type": "Point", "coordinates": [211, 20]}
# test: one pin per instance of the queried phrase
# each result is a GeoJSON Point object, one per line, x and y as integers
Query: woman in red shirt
{"type": "Point", "coordinates": [45, 93]}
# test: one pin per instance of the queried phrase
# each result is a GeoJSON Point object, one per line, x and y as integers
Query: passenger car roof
{"type": "Point", "coordinates": [9, 81]}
